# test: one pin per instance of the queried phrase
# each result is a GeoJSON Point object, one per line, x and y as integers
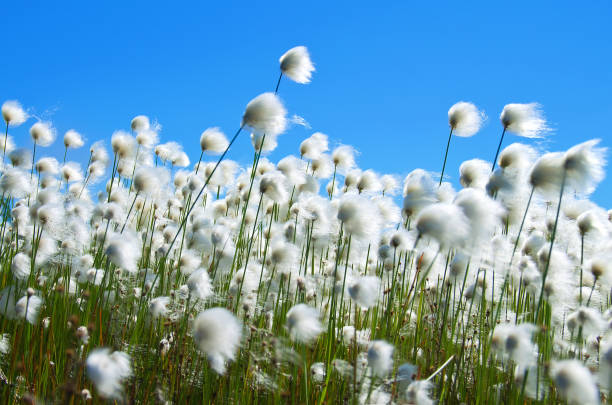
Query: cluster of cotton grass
{"type": "Point", "coordinates": [141, 277]}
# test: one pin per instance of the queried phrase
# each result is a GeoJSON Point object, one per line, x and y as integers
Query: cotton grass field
{"type": "Point", "coordinates": [142, 277]}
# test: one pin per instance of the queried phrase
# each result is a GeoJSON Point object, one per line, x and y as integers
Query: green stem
{"type": "Point", "coordinates": [450, 135]}
{"type": "Point", "coordinates": [552, 242]}
{"type": "Point", "coordinates": [498, 148]}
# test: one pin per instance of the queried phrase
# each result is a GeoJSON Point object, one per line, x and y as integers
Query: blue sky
{"type": "Point", "coordinates": [386, 75]}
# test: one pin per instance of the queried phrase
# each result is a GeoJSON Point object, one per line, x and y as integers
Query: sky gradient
{"type": "Point", "coordinates": [385, 77]}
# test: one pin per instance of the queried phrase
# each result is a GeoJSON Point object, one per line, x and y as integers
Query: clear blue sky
{"type": "Point", "coordinates": [386, 75]}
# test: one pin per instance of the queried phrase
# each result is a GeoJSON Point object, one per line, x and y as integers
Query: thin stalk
{"type": "Point", "coordinates": [127, 217]}
{"type": "Point", "coordinates": [5, 141]}
{"type": "Point", "coordinates": [450, 135]}
{"type": "Point", "coordinates": [440, 368]}
{"type": "Point", "coordinates": [581, 263]}
{"type": "Point", "coordinates": [518, 236]}
{"type": "Point", "coordinates": [184, 221]}
{"type": "Point", "coordinates": [199, 161]}
{"type": "Point", "coordinates": [591, 294]}
{"type": "Point", "coordinates": [498, 148]}
{"type": "Point", "coordinates": [33, 160]}
{"type": "Point", "coordinates": [278, 83]}
{"type": "Point", "coordinates": [552, 242]}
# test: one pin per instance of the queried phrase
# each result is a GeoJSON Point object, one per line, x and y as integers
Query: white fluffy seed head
{"type": "Point", "coordinates": [149, 180]}
{"type": "Point", "coordinates": [147, 138]}
{"type": "Point", "coordinates": [584, 165]}
{"type": "Point", "coordinates": [124, 251]}
{"type": "Point", "coordinates": [21, 266]}
{"type": "Point", "coordinates": [72, 139]}
{"type": "Point", "coordinates": [344, 157]}
{"type": "Point", "coordinates": [380, 358]}
{"type": "Point", "coordinates": [42, 133]}
{"type": "Point", "coordinates": [15, 183]}
{"type": "Point", "coordinates": [484, 214]}
{"type": "Point", "coordinates": [13, 114]}
{"type": "Point", "coordinates": [272, 186]}
{"type": "Point", "coordinates": [199, 284]}
{"type": "Point", "coordinates": [296, 64]}
{"type": "Point", "coordinates": [389, 184]}
{"type": "Point", "coordinates": [98, 153]}
{"type": "Point", "coordinates": [359, 216]}
{"type": "Point", "coordinates": [47, 165]}
{"type": "Point", "coordinates": [368, 181]}
{"type": "Point", "coordinates": [465, 119]}
{"type": "Point", "coordinates": [124, 144]}
{"type": "Point", "coordinates": [514, 342]}
{"type": "Point", "coordinates": [574, 382]}
{"type": "Point", "coordinates": [27, 307]}
{"type": "Point", "coordinates": [524, 120]}
{"type": "Point", "coordinates": [158, 307]}
{"type": "Point", "coordinates": [213, 141]}
{"type": "Point", "coordinates": [474, 173]}
{"type": "Point", "coordinates": [140, 123]}
{"type": "Point", "coordinates": [265, 114]}
{"type": "Point", "coordinates": [108, 371]}
{"type": "Point", "coordinates": [303, 323]}
{"type": "Point", "coordinates": [180, 159]}
{"type": "Point", "coordinates": [588, 320]}
{"type": "Point", "coordinates": [547, 172]}
{"type": "Point", "coordinates": [419, 192]}
{"type": "Point", "coordinates": [365, 291]}
{"type": "Point", "coordinates": [71, 172]}
{"type": "Point", "coordinates": [7, 145]}
{"type": "Point", "coordinates": [265, 143]}
{"type": "Point", "coordinates": [217, 333]}
{"type": "Point", "coordinates": [445, 223]}
{"type": "Point", "coordinates": [516, 156]}
{"type": "Point", "coordinates": [313, 146]}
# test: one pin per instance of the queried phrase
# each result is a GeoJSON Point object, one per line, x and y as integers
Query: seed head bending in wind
{"type": "Point", "coordinates": [213, 141]}
{"type": "Point", "coordinates": [344, 157]}
{"type": "Point", "coordinates": [296, 64]}
{"type": "Point", "coordinates": [526, 120]}
{"type": "Point", "coordinates": [217, 333]}
{"type": "Point", "coordinates": [464, 120]}
{"type": "Point", "coordinates": [446, 223]}
{"type": "Point", "coordinates": [107, 371]}
{"type": "Point", "coordinates": [313, 146]}
{"type": "Point", "coordinates": [359, 216]}
{"type": "Point", "coordinates": [265, 114]}
{"type": "Point", "coordinates": [584, 166]}
{"type": "Point", "coordinates": [72, 139]}
{"type": "Point", "coordinates": [42, 133]}
{"type": "Point", "coordinates": [547, 172]}
{"type": "Point", "coordinates": [13, 114]}
{"type": "Point", "coordinates": [140, 123]}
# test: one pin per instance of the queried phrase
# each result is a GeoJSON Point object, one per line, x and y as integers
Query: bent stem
{"type": "Point", "coordinates": [5, 141]}
{"type": "Point", "coordinates": [450, 135]}
{"type": "Point", "coordinates": [518, 236]}
{"type": "Point", "coordinates": [498, 148]}
{"type": "Point", "coordinates": [278, 83]}
{"type": "Point", "coordinates": [440, 368]}
{"type": "Point", "coordinates": [195, 201]}
{"type": "Point", "coordinates": [129, 212]}
{"type": "Point", "coordinates": [552, 242]}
